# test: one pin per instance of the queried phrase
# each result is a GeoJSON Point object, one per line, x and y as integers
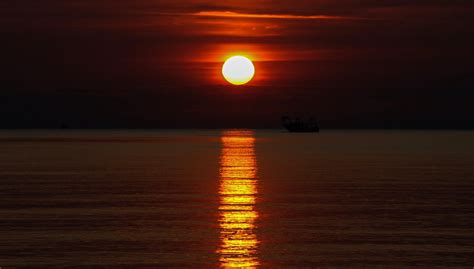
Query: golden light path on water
{"type": "Point", "coordinates": [238, 191]}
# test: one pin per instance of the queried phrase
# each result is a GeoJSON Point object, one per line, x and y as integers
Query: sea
{"type": "Point", "coordinates": [236, 199]}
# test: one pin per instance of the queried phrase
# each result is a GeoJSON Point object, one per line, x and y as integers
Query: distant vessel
{"type": "Point", "coordinates": [300, 126]}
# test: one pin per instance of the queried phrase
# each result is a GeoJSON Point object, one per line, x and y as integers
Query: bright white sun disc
{"type": "Point", "coordinates": [238, 70]}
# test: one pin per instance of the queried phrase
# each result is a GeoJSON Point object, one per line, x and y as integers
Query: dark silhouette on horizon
{"type": "Point", "coordinates": [298, 125]}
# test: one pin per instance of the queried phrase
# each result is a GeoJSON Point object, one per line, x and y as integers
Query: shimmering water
{"type": "Point", "coordinates": [236, 199]}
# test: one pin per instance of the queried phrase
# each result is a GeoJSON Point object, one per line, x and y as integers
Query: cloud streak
{"type": "Point", "coordinates": [230, 14]}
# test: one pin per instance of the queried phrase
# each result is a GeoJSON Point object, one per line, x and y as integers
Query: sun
{"type": "Point", "coordinates": [238, 70]}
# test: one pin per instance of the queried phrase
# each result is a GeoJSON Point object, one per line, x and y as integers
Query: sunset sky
{"type": "Point", "coordinates": [157, 63]}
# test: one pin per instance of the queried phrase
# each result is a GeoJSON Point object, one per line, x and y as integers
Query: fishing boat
{"type": "Point", "coordinates": [298, 125]}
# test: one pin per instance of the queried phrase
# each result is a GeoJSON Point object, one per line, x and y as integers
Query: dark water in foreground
{"type": "Point", "coordinates": [236, 199]}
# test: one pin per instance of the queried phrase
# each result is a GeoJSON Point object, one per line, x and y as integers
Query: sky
{"type": "Point", "coordinates": [157, 63]}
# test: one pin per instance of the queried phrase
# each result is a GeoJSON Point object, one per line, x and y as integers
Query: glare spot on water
{"type": "Point", "coordinates": [238, 191]}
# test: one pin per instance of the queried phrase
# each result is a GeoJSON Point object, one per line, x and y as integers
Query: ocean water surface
{"type": "Point", "coordinates": [236, 199]}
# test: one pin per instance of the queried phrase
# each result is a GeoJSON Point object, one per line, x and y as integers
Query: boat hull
{"type": "Point", "coordinates": [300, 126]}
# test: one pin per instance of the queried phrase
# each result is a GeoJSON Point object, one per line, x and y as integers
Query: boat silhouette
{"type": "Point", "coordinates": [298, 125]}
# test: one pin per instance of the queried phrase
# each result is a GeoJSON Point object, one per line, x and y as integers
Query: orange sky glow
{"type": "Point", "coordinates": [365, 59]}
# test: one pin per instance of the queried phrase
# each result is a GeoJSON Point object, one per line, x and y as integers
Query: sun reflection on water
{"type": "Point", "coordinates": [238, 191]}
